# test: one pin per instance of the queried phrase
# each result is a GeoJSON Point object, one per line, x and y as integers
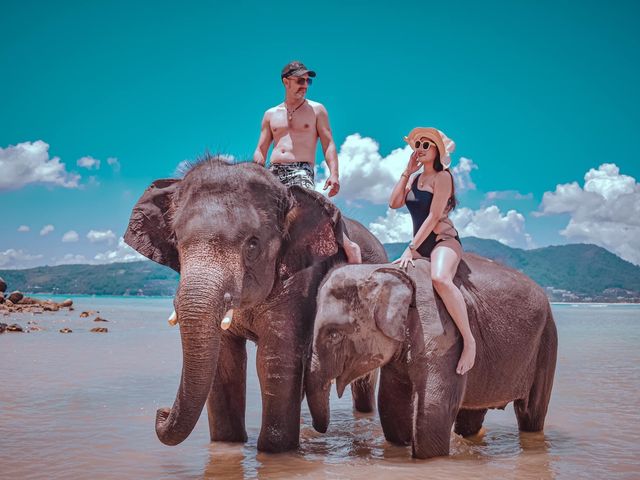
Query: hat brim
{"type": "Point", "coordinates": [299, 73]}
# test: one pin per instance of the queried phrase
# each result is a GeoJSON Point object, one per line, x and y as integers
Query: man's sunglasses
{"type": "Point", "coordinates": [302, 81]}
{"type": "Point", "coordinates": [425, 145]}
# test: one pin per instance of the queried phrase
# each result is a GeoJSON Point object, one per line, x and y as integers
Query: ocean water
{"type": "Point", "coordinates": [83, 405]}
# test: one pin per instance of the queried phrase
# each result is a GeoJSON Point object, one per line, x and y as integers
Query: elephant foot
{"type": "Point", "coordinates": [469, 422]}
{"type": "Point", "coordinates": [275, 443]}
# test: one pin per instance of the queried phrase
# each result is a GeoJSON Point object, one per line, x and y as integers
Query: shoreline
{"type": "Point", "coordinates": [84, 295]}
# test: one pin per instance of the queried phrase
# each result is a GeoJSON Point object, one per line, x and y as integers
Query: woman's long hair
{"type": "Point", "coordinates": [437, 165]}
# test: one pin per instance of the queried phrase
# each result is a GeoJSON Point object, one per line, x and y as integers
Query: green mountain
{"type": "Point", "coordinates": [584, 270]}
{"type": "Point", "coordinates": [135, 278]}
{"type": "Point", "coordinates": [569, 272]}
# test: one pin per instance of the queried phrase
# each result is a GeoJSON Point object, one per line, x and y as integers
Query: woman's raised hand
{"type": "Point", "coordinates": [413, 166]}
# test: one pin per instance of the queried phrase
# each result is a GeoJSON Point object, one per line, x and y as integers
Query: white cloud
{"type": "Point", "coordinates": [70, 236]}
{"type": "Point", "coordinates": [12, 258]}
{"type": "Point", "coordinates": [462, 174]}
{"type": "Point", "coordinates": [392, 228]}
{"type": "Point", "coordinates": [605, 211]}
{"type": "Point", "coordinates": [24, 228]}
{"type": "Point", "coordinates": [507, 195]}
{"type": "Point", "coordinates": [89, 163]}
{"type": "Point", "coordinates": [96, 236]}
{"type": "Point", "coordinates": [71, 259]}
{"type": "Point", "coordinates": [123, 253]}
{"type": "Point", "coordinates": [114, 164]}
{"type": "Point", "coordinates": [366, 175]}
{"type": "Point", "coordinates": [29, 162]}
{"type": "Point", "coordinates": [47, 229]}
{"type": "Point", "coordinates": [490, 223]}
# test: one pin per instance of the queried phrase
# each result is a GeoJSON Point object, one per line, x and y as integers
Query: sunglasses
{"type": "Point", "coordinates": [302, 81]}
{"type": "Point", "coordinates": [425, 145]}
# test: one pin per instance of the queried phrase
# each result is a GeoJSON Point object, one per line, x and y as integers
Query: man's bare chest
{"type": "Point", "coordinates": [300, 123]}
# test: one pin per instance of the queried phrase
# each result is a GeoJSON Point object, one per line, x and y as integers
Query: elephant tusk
{"type": "Point", "coordinates": [173, 319]}
{"type": "Point", "coordinates": [226, 321]}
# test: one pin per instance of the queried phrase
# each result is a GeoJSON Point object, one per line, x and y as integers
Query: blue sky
{"type": "Point", "coordinates": [541, 99]}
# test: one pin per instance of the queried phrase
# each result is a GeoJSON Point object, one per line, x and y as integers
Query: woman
{"type": "Point", "coordinates": [429, 197]}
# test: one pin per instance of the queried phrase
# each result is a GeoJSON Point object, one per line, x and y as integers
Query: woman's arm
{"type": "Point", "coordinates": [399, 192]}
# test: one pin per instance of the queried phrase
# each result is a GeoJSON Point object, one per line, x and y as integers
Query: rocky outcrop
{"type": "Point", "coordinates": [17, 302]}
{"type": "Point", "coordinates": [15, 297]}
{"type": "Point", "coordinates": [15, 328]}
{"type": "Point", "coordinates": [100, 319]}
{"type": "Point", "coordinates": [66, 330]}
{"type": "Point", "coordinates": [99, 330]}
{"type": "Point", "coordinates": [3, 285]}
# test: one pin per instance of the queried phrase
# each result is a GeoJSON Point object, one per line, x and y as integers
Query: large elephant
{"type": "Point", "coordinates": [243, 241]}
{"type": "Point", "coordinates": [377, 315]}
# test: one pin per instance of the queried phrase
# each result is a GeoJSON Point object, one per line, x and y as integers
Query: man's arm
{"type": "Point", "coordinates": [260, 155]}
{"type": "Point", "coordinates": [329, 150]}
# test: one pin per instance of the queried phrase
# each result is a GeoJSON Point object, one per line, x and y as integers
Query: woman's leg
{"type": "Point", "coordinates": [352, 249]}
{"type": "Point", "coordinates": [444, 264]}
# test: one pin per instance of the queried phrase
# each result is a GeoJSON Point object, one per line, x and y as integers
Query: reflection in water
{"type": "Point", "coordinates": [83, 405]}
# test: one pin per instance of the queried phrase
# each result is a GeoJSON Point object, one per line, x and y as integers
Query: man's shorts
{"type": "Point", "coordinates": [296, 173]}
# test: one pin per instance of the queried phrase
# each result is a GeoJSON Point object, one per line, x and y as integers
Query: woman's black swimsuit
{"type": "Point", "coordinates": [419, 205]}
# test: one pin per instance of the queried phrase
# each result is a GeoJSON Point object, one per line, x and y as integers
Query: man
{"type": "Point", "coordinates": [294, 127]}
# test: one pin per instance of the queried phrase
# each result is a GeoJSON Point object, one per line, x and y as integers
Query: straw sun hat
{"type": "Point", "coordinates": [445, 145]}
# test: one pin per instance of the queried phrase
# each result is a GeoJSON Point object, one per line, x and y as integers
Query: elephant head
{"type": "Point", "coordinates": [359, 326]}
{"type": "Point", "coordinates": [231, 231]}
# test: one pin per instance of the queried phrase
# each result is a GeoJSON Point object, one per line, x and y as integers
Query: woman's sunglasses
{"type": "Point", "coordinates": [425, 145]}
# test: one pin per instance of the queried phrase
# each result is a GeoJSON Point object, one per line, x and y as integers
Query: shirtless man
{"type": "Point", "coordinates": [294, 127]}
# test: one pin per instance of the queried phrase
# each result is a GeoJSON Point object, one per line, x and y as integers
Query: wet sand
{"type": "Point", "coordinates": [82, 405]}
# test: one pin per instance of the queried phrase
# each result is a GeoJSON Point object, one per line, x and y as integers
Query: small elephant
{"type": "Point", "coordinates": [372, 316]}
{"type": "Point", "coordinates": [243, 242]}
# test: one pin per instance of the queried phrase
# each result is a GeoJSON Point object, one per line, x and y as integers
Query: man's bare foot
{"type": "Point", "coordinates": [468, 357]}
{"type": "Point", "coordinates": [352, 249]}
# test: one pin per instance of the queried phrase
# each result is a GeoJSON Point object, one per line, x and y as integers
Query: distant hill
{"type": "Point", "coordinates": [584, 270]}
{"type": "Point", "coordinates": [134, 278]}
{"type": "Point", "coordinates": [570, 272]}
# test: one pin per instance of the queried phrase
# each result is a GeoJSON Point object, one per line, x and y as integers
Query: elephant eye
{"type": "Point", "coordinates": [335, 336]}
{"type": "Point", "coordinates": [252, 248]}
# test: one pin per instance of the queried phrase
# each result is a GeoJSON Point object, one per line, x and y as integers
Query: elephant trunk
{"type": "Point", "coordinates": [318, 388]}
{"type": "Point", "coordinates": [200, 307]}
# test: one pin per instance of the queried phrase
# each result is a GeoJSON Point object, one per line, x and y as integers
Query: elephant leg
{"type": "Point", "coordinates": [439, 397]}
{"type": "Point", "coordinates": [469, 422]}
{"type": "Point", "coordinates": [227, 398]}
{"type": "Point", "coordinates": [280, 371]}
{"type": "Point", "coordinates": [363, 392]}
{"type": "Point", "coordinates": [395, 406]}
{"type": "Point", "coordinates": [532, 410]}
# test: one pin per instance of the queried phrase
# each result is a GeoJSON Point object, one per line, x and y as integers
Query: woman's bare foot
{"type": "Point", "coordinates": [468, 357]}
{"type": "Point", "coordinates": [352, 249]}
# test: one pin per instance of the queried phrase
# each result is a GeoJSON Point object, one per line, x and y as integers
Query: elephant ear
{"type": "Point", "coordinates": [389, 292]}
{"type": "Point", "coordinates": [313, 230]}
{"type": "Point", "coordinates": [149, 231]}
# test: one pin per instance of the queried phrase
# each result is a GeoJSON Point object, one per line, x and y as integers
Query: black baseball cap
{"type": "Point", "coordinates": [296, 69]}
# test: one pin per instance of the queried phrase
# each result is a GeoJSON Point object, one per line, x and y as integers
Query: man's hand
{"type": "Point", "coordinates": [333, 183]}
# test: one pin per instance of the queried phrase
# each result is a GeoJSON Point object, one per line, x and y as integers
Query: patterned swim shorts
{"type": "Point", "coordinates": [296, 173]}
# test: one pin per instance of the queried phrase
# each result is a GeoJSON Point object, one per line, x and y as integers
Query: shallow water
{"type": "Point", "coordinates": [83, 405]}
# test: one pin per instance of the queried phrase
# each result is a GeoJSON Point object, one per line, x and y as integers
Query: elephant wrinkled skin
{"type": "Point", "coordinates": [242, 240]}
{"type": "Point", "coordinates": [377, 315]}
